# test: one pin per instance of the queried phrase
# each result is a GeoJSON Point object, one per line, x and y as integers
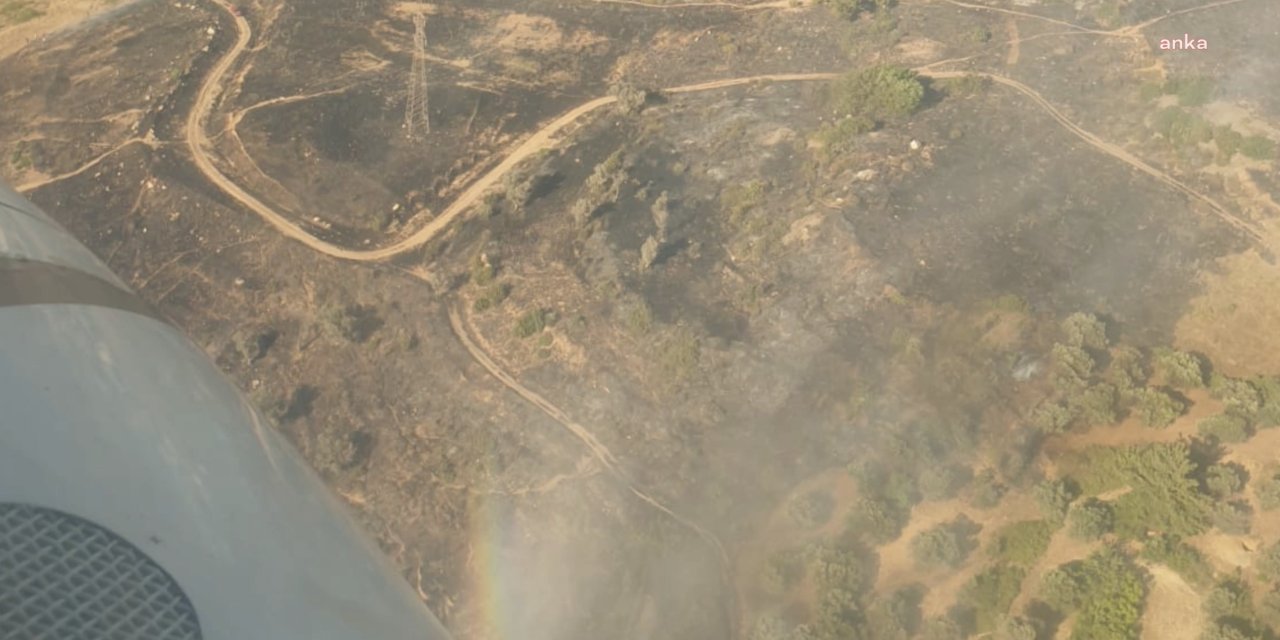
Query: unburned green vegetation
{"type": "Point", "coordinates": [17, 12]}
{"type": "Point", "coordinates": [1022, 543]}
{"type": "Point", "coordinates": [1106, 589]}
{"type": "Point", "coordinates": [863, 100]}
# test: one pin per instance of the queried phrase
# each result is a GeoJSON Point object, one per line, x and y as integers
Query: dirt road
{"type": "Point", "coordinates": [601, 452]}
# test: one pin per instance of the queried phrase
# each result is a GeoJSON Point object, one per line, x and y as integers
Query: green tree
{"type": "Point", "coordinates": [986, 490]}
{"type": "Point", "coordinates": [897, 616]}
{"type": "Point", "coordinates": [851, 569]}
{"type": "Point", "coordinates": [1127, 369]}
{"type": "Point", "coordinates": [782, 571]}
{"type": "Point", "coordinates": [813, 509]}
{"type": "Point", "coordinates": [880, 93]}
{"type": "Point", "coordinates": [1267, 488]}
{"type": "Point", "coordinates": [1184, 559]}
{"type": "Point", "coordinates": [1179, 368]}
{"type": "Point", "coordinates": [1051, 417]}
{"type": "Point", "coordinates": [1072, 367]}
{"type": "Point", "coordinates": [1054, 498]}
{"type": "Point", "coordinates": [1238, 396]}
{"type": "Point", "coordinates": [1114, 592]}
{"type": "Point", "coordinates": [1268, 564]}
{"type": "Point", "coordinates": [1017, 628]}
{"type": "Point", "coordinates": [1084, 330]}
{"type": "Point", "coordinates": [1157, 408]}
{"type": "Point", "coordinates": [942, 628]}
{"type": "Point", "coordinates": [1226, 631]}
{"type": "Point", "coordinates": [1228, 599]}
{"type": "Point", "coordinates": [1232, 516]}
{"type": "Point", "coordinates": [1164, 494]}
{"type": "Point", "coordinates": [942, 481]}
{"type": "Point", "coordinates": [1225, 480]}
{"type": "Point", "coordinates": [1091, 520]}
{"type": "Point", "coordinates": [1225, 427]}
{"type": "Point", "coordinates": [1096, 405]}
{"type": "Point", "coordinates": [946, 544]}
{"type": "Point", "coordinates": [989, 594]}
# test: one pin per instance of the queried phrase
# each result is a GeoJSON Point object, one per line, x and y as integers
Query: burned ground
{"type": "Point", "coordinates": [804, 310]}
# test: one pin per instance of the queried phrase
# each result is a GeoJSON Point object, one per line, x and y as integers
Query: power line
{"type": "Point", "coordinates": [415, 108]}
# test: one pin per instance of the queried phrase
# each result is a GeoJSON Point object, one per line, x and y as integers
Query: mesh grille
{"type": "Point", "coordinates": [62, 578]}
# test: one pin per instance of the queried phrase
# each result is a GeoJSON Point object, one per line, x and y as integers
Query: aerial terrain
{"type": "Point", "coordinates": [793, 319]}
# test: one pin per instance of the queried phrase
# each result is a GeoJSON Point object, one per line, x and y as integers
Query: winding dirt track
{"type": "Point", "coordinates": [597, 449]}
{"type": "Point", "coordinates": [546, 138]}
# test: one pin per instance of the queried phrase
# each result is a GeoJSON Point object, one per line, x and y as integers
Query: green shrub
{"type": "Point", "coordinates": [14, 12]}
{"type": "Point", "coordinates": [946, 544]}
{"type": "Point", "coordinates": [986, 490]}
{"type": "Point", "coordinates": [1184, 559]}
{"type": "Point", "coordinates": [737, 199]}
{"type": "Point", "coordinates": [1180, 369]}
{"type": "Point", "coordinates": [1051, 417]}
{"type": "Point", "coordinates": [1164, 494]}
{"type": "Point", "coordinates": [1054, 498]}
{"type": "Point", "coordinates": [850, 569]}
{"type": "Point", "coordinates": [1228, 599]}
{"type": "Point", "coordinates": [897, 616]}
{"type": "Point", "coordinates": [1268, 563]}
{"type": "Point", "coordinates": [1107, 589]}
{"type": "Point", "coordinates": [838, 138]}
{"type": "Point", "coordinates": [1267, 489]}
{"type": "Point", "coordinates": [1227, 631]}
{"type": "Point", "coordinates": [679, 355]}
{"type": "Point", "coordinates": [352, 322]}
{"type": "Point", "coordinates": [636, 316]}
{"type": "Point", "coordinates": [1157, 408]}
{"type": "Point", "coordinates": [493, 295]}
{"type": "Point", "coordinates": [1091, 520]}
{"type": "Point", "coordinates": [1022, 543]}
{"type": "Point", "coordinates": [877, 519]}
{"type": "Point", "coordinates": [1269, 389]}
{"type": "Point", "coordinates": [942, 628]}
{"type": "Point", "coordinates": [1225, 427]}
{"type": "Point", "coordinates": [1233, 517]}
{"type": "Point", "coordinates": [1017, 628]}
{"type": "Point", "coordinates": [811, 510]}
{"type": "Point", "coordinates": [942, 481]}
{"type": "Point", "coordinates": [1127, 369]}
{"type": "Point", "coordinates": [1096, 405]}
{"type": "Point", "coordinates": [783, 570]}
{"type": "Point", "coordinates": [1084, 330]}
{"type": "Point", "coordinates": [990, 593]}
{"type": "Point", "coordinates": [1258, 148]}
{"type": "Point", "coordinates": [482, 270]}
{"type": "Point", "coordinates": [1182, 129]}
{"type": "Point", "coordinates": [848, 9]}
{"type": "Point", "coordinates": [531, 322]}
{"type": "Point", "coordinates": [880, 93]}
{"type": "Point", "coordinates": [1225, 480]}
{"type": "Point", "coordinates": [1238, 396]}
{"type": "Point", "coordinates": [1072, 367]}
{"type": "Point", "coordinates": [1191, 92]}
{"type": "Point", "coordinates": [1228, 141]}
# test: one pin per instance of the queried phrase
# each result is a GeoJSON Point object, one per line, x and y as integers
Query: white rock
{"type": "Point", "coordinates": [915, 145]}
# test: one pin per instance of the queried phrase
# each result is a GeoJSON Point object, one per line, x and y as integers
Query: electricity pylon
{"type": "Point", "coordinates": [415, 109]}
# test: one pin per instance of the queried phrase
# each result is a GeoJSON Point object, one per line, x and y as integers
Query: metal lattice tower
{"type": "Point", "coordinates": [416, 119]}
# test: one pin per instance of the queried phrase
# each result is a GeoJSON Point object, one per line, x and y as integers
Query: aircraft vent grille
{"type": "Point", "coordinates": [64, 578]}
